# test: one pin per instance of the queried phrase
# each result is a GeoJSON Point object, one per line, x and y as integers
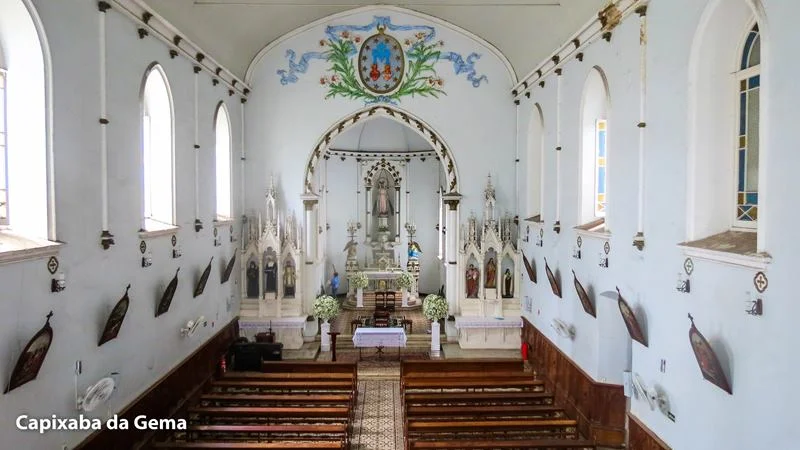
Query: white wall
{"type": "Point", "coordinates": [286, 122]}
{"type": "Point", "coordinates": [758, 352]}
{"type": "Point", "coordinates": [147, 347]}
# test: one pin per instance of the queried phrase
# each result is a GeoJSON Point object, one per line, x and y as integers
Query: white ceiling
{"type": "Point", "coordinates": [233, 31]}
{"type": "Point", "coordinates": [378, 136]}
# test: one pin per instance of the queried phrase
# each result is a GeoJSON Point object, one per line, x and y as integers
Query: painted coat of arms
{"type": "Point", "coordinates": [380, 68]}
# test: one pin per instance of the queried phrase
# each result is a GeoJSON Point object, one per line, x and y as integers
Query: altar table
{"type": "Point", "coordinates": [380, 338]}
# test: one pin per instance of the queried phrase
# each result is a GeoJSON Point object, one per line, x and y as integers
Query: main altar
{"type": "Point", "coordinates": [488, 292]}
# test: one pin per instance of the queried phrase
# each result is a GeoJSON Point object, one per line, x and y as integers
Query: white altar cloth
{"type": "Point", "coordinates": [276, 323]}
{"type": "Point", "coordinates": [488, 322]}
{"type": "Point", "coordinates": [379, 337]}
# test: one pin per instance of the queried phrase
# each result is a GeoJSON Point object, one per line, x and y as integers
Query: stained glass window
{"type": "Point", "coordinates": [3, 160]}
{"type": "Point", "coordinates": [749, 82]}
{"type": "Point", "coordinates": [601, 150]}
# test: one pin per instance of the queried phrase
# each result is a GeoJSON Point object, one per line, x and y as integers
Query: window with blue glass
{"type": "Point", "coordinates": [748, 90]}
{"type": "Point", "coordinates": [600, 159]}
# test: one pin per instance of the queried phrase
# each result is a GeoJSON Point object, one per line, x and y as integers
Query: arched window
{"type": "Point", "coordinates": [25, 203]}
{"type": "Point", "coordinates": [594, 155]}
{"type": "Point", "coordinates": [222, 131]}
{"type": "Point", "coordinates": [535, 155]}
{"type": "Point", "coordinates": [748, 83]}
{"type": "Point", "coordinates": [157, 151]}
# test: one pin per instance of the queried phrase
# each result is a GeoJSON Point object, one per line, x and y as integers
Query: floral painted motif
{"type": "Point", "coordinates": [378, 68]}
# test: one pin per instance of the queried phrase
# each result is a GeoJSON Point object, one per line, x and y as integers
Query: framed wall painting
{"type": "Point", "coordinates": [552, 278]}
{"type": "Point", "coordinates": [707, 359]}
{"type": "Point", "coordinates": [529, 268]}
{"type": "Point", "coordinates": [630, 320]}
{"type": "Point", "coordinates": [32, 357]}
{"type": "Point", "coordinates": [228, 269]}
{"type": "Point", "coordinates": [201, 283]}
{"type": "Point", "coordinates": [169, 292]}
{"type": "Point", "coordinates": [114, 322]}
{"type": "Point", "coordinates": [588, 306]}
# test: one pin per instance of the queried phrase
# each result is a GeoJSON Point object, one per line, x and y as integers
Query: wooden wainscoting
{"type": "Point", "coordinates": [599, 408]}
{"type": "Point", "coordinates": [169, 394]}
{"type": "Point", "coordinates": [642, 438]}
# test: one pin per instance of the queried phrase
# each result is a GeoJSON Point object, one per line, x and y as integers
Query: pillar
{"type": "Point", "coordinates": [451, 251]}
{"type": "Point", "coordinates": [310, 282]}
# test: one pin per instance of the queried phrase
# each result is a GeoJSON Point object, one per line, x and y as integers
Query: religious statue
{"type": "Point", "coordinates": [252, 280]}
{"type": "Point", "coordinates": [352, 249]}
{"type": "Point", "coordinates": [508, 284]}
{"type": "Point", "coordinates": [288, 280]}
{"type": "Point", "coordinates": [491, 274]}
{"type": "Point", "coordinates": [473, 275]}
{"type": "Point", "coordinates": [473, 235]}
{"type": "Point", "coordinates": [383, 204]}
{"type": "Point", "coordinates": [414, 250]}
{"type": "Point", "coordinates": [270, 274]}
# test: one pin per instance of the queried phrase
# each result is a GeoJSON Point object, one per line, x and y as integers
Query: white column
{"type": "Point", "coordinates": [557, 224]}
{"type": "Point", "coordinates": [106, 238]}
{"type": "Point", "coordinates": [310, 280]}
{"type": "Point", "coordinates": [242, 159]}
{"type": "Point", "coordinates": [198, 225]}
{"type": "Point", "coordinates": [451, 251]}
{"type": "Point", "coordinates": [638, 240]}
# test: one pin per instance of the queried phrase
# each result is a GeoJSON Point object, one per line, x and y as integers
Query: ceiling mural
{"type": "Point", "coordinates": [381, 62]}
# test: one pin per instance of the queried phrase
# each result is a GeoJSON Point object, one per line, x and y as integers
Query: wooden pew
{"type": "Point", "coordinates": [277, 399]}
{"type": "Point", "coordinates": [461, 365]}
{"type": "Point", "coordinates": [235, 433]}
{"type": "Point", "coordinates": [482, 383]}
{"type": "Point", "coordinates": [289, 376]}
{"type": "Point", "coordinates": [255, 412]}
{"type": "Point", "coordinates": [547, 444]}
{"type": "Point", "coordinates": [309, 367]}
{"type": "Point", "coordinates": [562, 427]}
{"type": "Point", "coordinates": [494, 398]}
{"type": "Point", "coordinates": [483, 411]}
{"type": "Point", "coordinates": [314, 445]}
{"type": "Point", "coordinates": [294, 386]}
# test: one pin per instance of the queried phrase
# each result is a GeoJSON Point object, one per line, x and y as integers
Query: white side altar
{"type": "Point", "coordinates": [482, 332]}
{"type": "Point", "coordinates": [288, 330]}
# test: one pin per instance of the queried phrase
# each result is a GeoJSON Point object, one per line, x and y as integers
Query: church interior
{"type": "Point", "coordinates": [419, 224]}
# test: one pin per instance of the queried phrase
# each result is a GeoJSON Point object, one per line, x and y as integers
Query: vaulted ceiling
{"type": "Point", "coordinates": [233, 31]}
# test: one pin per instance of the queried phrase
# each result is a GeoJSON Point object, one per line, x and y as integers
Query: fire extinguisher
{"type": "Point", "coordinates": [223, 367]}
{"type": "Point", "coordinates": [525, 350]}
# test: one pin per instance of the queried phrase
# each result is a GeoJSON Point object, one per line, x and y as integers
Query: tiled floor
{"type": "Point", "coordinates": [378, 417]}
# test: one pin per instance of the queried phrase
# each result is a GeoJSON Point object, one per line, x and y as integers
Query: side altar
{"type": "Point", "coordinates": [272, 288]}
{"type": "Point", "coordinates": [489, 313]}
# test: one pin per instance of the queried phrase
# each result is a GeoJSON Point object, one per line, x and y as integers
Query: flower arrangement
{"type": "Point", "coordinates": [434, 307]}
{"type": "Point", "coordinates": [326, 307]}
{"type": "Point", "coordinates": [359, 280]}
{"type": "Point", "coordinates": [405, 280]}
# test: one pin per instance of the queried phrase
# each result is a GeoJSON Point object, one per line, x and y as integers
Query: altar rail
{"type": "Point", "coordinates": [599, 408]}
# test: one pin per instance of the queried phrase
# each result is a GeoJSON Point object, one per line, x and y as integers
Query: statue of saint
{"type": "Point", "coordinates": [473, 275]}
{"type": "Point", "coordinates": [414, 250]}
{"type": "Point", "coordinates": [288, 280]}
{"type": "Point", "coordinates": [508, 284]}
{"type": "Point", "coordinates": [383, 204]}
{"type": "Point", "coordinates": [252, 280]}
{"type": "Point", "coordinates": [352, 249]}
{"type": "Point", "coordinates": [270, 275]}
{"type": "Point", "coordinates": [473, 235]}
{"type": "Point", "coordinates": [491, 274]}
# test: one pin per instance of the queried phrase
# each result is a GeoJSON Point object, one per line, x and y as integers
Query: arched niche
{"type": "Point", "coordinates": [595, 108]}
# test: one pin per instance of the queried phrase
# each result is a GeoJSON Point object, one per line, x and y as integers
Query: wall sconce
{"type": "Point", "coordinates": [147, 259]}
{"type": "Point", "coordinates": [683, 284]}
{"type": "Point", "coordinates": [59, 283]}
{"type": "Point", "coordinates": [176, 251]}
{"type": "Point", "coordinates": [217, 242]}
{"type": "Point", "coordinates": [576, 252]}
{"type": "Point", "coordinates": [603, 260]}
{"type": "Point", "coordinates": [755, 306]}
{"type": "Point", "coordinates": [540, 238]}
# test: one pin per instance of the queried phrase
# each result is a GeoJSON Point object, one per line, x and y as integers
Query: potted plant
{"type": "Point", "coordinates": [359, 281]}
{"type": "Point", "coordinates": [405, 281]}
{"type": "Point", "coordinates": [326, 308]}
{"type": "Point", "coordinates": [434, 308]}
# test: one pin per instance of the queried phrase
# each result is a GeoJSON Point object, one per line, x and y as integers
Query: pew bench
{"type": "Point", "coordinates": [495, 398]}
{"type": "Point", "coordinates": [314, 445]}
{"type": "Point", "coordinates": [557, 427]}
{"type": "Point", "coordinates": [482, 383]}
{"type": "Point", "coordinates": [223, 399]}
{"type": "Point", "coordinates": [484, 411]}
{"type": "Point", "coordinates": [295, 386]}
{"type": "Point", "coordinates": [545, 444]}
{"type": "Point", "coordinates": [484, 366]}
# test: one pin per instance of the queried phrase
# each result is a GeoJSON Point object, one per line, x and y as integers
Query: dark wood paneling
{"type": "Point", "coordinates": [599, 408]}
{"type": "Point", "coordinates": [168, 395]}
{"type": "Point", "coordinates": [641, 438]}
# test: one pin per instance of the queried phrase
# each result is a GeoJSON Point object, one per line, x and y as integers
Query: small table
{"type": "Point", "coordinates": [379, 338]}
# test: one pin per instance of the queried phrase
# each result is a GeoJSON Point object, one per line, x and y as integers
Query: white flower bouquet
{"type": "Point", "coordinates": [359, 280]}
{"type": "Point", "coordinates": [434, 307]}
{"type": "Point", "coordinates": [405, 280]}
{"type": "Point", "coordinates": [326, 307]}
